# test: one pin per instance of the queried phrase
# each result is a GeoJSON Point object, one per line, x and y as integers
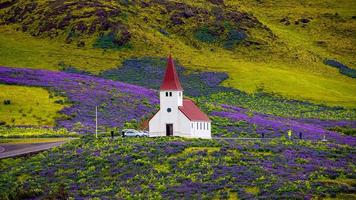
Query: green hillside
{"type": "Point", "coordinates": [278, 46]}
{"type": "Point", "coordinates": [28, 106]}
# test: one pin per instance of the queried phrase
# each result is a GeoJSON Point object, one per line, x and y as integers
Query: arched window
{"type": "Point", "coordinates": [166, 94]}
{"type": "Point", "coordinates": [170, 94]}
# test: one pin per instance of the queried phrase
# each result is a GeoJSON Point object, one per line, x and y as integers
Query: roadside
{"type": "Point", "coordinates": [237, 138]}
{"type": "Point", "coordinates": [20, 146]}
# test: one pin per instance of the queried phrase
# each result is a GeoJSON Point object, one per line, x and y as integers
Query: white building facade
{"type": "Point", "coordinates": [178, 116]}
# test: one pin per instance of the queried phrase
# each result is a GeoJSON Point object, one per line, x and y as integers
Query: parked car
{"type": "Point", "coordinates": [134, 133]}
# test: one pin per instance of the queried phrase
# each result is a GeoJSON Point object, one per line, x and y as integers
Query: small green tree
{"type": "Point", "coordinates": [133, 124]}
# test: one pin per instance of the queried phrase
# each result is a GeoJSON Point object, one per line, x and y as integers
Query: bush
{"type": "Point", "coordinates": [343, 69]}
{"type": "Point", "coordinates": [205, 35]}
{"type": "Point", "coordinates": [113, 40]}
{"type": "Point", "coordinates": [345, 130]}
{"type": "Point", "coordinates": [234, 37]}
{"type": "Point", "coordinates": [133, 124]}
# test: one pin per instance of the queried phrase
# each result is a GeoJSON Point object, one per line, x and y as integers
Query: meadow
{"type": "Point", "coordinates": [285, 59]}
{"type": "Point", "coordinates": [121, 104]}
{"type": "Point", "coordinates": [207, 87]}
{"type": "Point", "coordinates": [23, 106]}
{"type": "Point", "coordinates": [259, 69]}
{"type": "Point", "coordinates": [117, 102]}
{"type": "Point", "coordinates": [177, 168]}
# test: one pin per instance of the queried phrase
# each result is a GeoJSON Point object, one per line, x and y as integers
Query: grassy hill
{"type": "Point", "coordinates": [279, 46]}
{"type": "Point", "coordinates": [28, 106]}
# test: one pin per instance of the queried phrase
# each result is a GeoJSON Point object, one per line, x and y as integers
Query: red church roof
{"type": "Point", "coordinates": [190, 110]}
{"type": "Point", "coordinates": [171, 80]}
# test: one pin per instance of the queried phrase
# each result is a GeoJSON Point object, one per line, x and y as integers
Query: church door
{"type": "Point", "coordinates": [169, 129]}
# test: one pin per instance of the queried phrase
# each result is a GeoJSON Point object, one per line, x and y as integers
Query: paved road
{"type": "Point", "coordinates": [13, 150]}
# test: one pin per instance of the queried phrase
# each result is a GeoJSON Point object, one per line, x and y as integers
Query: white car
{"type": "Point", "coordinates": [134, 133]}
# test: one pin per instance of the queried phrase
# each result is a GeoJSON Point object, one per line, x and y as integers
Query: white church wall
{"type": "Point", "coordinates": [175, 100]}
{"type": "Point", "coordinates": [169, 100]}
{"type": "Point", "coordinates": [170, 114]}
{"type": "Point", "coordinates": [155, 127]}
{"type": "Point", "coordinates": [201, 129]}
{"type": "Point", "coordinates": [184, 126]}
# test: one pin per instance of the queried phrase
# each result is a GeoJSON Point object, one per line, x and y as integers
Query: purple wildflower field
{"type": "Point", "coordinates": [178, 168]}
{"type": "Point", "coordinates": [273, 126]}
{"type": "Point", "coordinates": [175, 168]}
{"type": "Point", "coordinates": [117, 102]}
{"type": "Point", "coordinates": [120, 102]}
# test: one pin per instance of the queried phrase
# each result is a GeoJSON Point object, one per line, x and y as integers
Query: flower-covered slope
{"type": "Point", "coordinates": [273, 126]}
{"type": "Point", "coordinates": [117, 102]}
{"type": "Point", "coordinates": [175, 168]}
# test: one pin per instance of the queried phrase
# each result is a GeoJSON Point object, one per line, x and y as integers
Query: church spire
{"type": "Point", "coordinates": [171, 80]}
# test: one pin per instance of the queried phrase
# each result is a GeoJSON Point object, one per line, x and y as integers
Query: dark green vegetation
{"type": "Point", "coordinates": [174, 168]}
{"type": "Point", "coordinates": [345, 130]}
{"type": "Point", "coordinates": [342, 68]}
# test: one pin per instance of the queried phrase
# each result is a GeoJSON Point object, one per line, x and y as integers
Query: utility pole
{"type": "Point", "coordinates": [96, 121]}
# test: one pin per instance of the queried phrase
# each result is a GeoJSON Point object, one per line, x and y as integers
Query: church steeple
{"type": "Point", "coordinates": [171, 80]}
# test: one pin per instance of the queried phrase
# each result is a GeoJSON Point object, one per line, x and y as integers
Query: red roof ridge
{"type": "Point", "coordinates": [192, 111]}
{"type": "Point", "coordinates": [171, 80]}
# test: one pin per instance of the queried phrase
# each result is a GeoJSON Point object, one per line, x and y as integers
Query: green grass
{"type": "Point", "coordinates": [28, 106]}
{"type": "Point", "coordinates": [291, 65]}
{"type": "Point", "coordinates": [33, 132]}
{"type": "Point", "coordinates": [252, 190]}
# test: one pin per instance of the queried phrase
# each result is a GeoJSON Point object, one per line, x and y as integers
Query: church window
{"type": "Point", "coordinates": [166, 94]}
{"type": "Point", "coordinates": [170, 94]}
{"type": "Point", "coordinates": [169, 109]}
{"type": "Point", "coordinates": [180, 94]}
{"type": "Point", "coordinates": [203, 126]}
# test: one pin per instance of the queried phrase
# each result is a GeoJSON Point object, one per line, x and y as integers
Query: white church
{"type": "Point", "coordinates": [177, 116]}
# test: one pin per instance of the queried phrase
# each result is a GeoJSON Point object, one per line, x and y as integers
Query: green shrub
{"type": "Point", "coordinates": [205, 35]}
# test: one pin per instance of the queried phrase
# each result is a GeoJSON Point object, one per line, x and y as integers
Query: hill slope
{"type": "Point", "coordinates": [278, 46]}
